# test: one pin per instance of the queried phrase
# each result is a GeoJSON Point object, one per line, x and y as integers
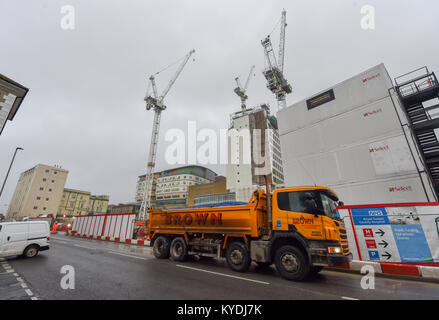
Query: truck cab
{"type": "Point", "coordinates": [306, 218]}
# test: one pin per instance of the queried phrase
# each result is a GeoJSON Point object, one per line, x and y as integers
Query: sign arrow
{"type": "Point", "coordinates": [384, 243]}
{"type": "Point", "coordinates": [380, 232]}
{"type": "Point", "coordinates": [388, 255]}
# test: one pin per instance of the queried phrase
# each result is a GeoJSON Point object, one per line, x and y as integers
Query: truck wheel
{"type": "Point", "coordinates": [238, 257]}
{"type": "Point", "coordinates": [291, 263]}
{"type": "Point", "coordinates": [178, 249]}
{"type": "Point", "coordinates": [30, 251]}
{"type": "Point", "coordinates": [161, 248]}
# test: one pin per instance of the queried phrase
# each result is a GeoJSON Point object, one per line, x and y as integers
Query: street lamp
{"type": "Point", "coordinates": [7, 174]}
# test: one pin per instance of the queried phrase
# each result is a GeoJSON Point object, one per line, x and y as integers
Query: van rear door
{"type": "Point", "coordinates": [14, 238]}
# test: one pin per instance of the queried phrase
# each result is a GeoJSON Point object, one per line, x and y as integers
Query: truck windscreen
{"type": "Point", "coordinates": [314, 202]}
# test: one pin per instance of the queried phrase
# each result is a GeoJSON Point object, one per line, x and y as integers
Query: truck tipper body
{"type": "Point", "coordinates": [297, 229]}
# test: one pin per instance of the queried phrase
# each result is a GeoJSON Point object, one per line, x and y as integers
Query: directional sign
{"type": "Point", "coordinates": [384, 244]}
{"type": "Point", "coordinates": [394, 237]}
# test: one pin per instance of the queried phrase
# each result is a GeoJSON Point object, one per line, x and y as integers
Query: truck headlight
{"type": "Point", "coordinates": [334, 250]}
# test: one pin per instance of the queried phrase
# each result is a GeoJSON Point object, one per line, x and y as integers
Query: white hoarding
{"type": "Point", "coordinates": [350, 138]}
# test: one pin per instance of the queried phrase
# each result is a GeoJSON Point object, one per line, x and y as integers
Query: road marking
{"type": "Point", "coordinates": [86, 247]}
{"type": "Point", "coordinates": [127, 255]}
{"type": "Point", "coordinates": [222, 274]}
{"type": "Point", "coordinates": [29, 293]}
{"type": "Point", "coordinates": [56, 240]}
{"type": "Point", "coordinates": [349, 298]}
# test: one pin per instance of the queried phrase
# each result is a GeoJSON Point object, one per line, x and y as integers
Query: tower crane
{"type": "Point", "coordinates": [241, 91]}
{"type": "Point", "coordinates": [155, 102]}
{"type": "Point", "coordinates": [276, 81]}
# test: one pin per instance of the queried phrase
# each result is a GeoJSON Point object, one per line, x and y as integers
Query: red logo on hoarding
{"type": "Point", "coordinates": [385, 148]}
{"type": "Point", "coordinates": [370, 78]}
{"type": "Point", "coordinates": [369, 113]}
{"type": "Point", "coordinates": [371, 244]}
{"type": "Point", "coordinates": [368, 233]}
{"type": "Point", "coordinates": [400, 189]}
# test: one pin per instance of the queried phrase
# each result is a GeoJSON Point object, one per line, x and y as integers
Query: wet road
{"type": "Point", "coordinates": [107, 270]}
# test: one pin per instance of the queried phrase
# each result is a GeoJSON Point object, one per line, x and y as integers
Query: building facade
{"type": "Point", "coordinates": [38, 192]}
{"type": "Point", "coordinates": [132, 207]}
{"type": "Point", "coordinates": [98, 204]}
{"type": "Point", "coordinates": [171, 187]}
{"type": "Point", "coordinates": [77, 202]}
{"type": "Point", "coordinates": [11, 97]}
{"type": "Point", "coordinates": [210, 193]}
{"type": "Point", "coordinates": [254, 152]}
{"type": "Point", "coordinates": [354, 138]}
{"type": "Point", "coordinates": [141, 185]}
{"type": "Point", "coordinates": [74, 203]}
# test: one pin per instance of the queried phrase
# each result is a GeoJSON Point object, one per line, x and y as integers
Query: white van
{"type": "Point", "coordinates": [25, 238]}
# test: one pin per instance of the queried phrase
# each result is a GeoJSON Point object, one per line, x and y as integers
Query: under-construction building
{"type": "Point", "coordinates": [253, 136]}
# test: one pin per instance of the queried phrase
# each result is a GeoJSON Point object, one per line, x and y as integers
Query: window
{"type": "Point", "coordinates": [297, 201]}
{"type": "Point", "coordinates": [50, 190]}
{"type": "Point", "coordinates": [35, 208]}
{"type": "Point", "coordinates": [44, 208]}
{"type": "Point", "coordinates": [41, 188]}
{"type": "Point", "coordinates": [47, 199]}
{"type": "Point", "coordinates": [38, 198]}
{"type": "Point", "coordinates": [44, 179]}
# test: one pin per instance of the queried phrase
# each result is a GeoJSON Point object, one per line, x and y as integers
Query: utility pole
{"type": "Point", "coordinates": [7, 174]}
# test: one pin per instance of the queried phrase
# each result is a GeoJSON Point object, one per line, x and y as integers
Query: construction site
{"type": "Point", "coordinates": [314, 189]}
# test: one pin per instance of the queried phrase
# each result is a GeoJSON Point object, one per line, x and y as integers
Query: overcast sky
{"type": "Point", "coordinates": [85, 108]}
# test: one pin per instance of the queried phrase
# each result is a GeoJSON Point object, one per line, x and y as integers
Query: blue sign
{"type": "Point", "coordinates": [278, 223]}
{"type": "Point", "coordinates": [370, 216]}
{"type": "Point", "coordinates": [374, 255]}
{"type": "Point", "coordinates": [412, 244]}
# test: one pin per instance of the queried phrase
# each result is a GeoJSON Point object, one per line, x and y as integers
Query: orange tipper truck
{"type": "Point", "coordinates": [297, 229]}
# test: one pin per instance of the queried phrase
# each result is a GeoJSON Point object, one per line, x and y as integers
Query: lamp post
{"type": "Point", "coordinates": [7, 174]}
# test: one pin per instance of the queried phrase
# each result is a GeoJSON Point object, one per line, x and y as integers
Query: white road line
{"type": "Point", "coordinates": [56, 240]}
{"type": "Point", "coordinates": [349, 298]}
{"type": "Point", "coordinates": [86, 247]}
{"type": "Point", "coordinates": [222, 274]}
{"type": "Point", "coordinates": [127, 255]}
{"type": "Point", "coordinates": [29, 293]}
{"type": "Point", "coordinates": [33, 298]}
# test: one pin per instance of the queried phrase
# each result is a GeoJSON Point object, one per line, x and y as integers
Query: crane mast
{"type": "Point", "coordinates": [241, 91]}
{"type": "Point", "coordinates": [276, 81]}
{"type": "Point", "coordinates": [156, 102]}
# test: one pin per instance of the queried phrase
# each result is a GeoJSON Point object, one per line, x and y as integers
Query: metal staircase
{"type": "Point", "coordinates": [413, 93]}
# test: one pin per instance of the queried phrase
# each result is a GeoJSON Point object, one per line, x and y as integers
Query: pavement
{"type": "Point", "coordinates": [110, 270]}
